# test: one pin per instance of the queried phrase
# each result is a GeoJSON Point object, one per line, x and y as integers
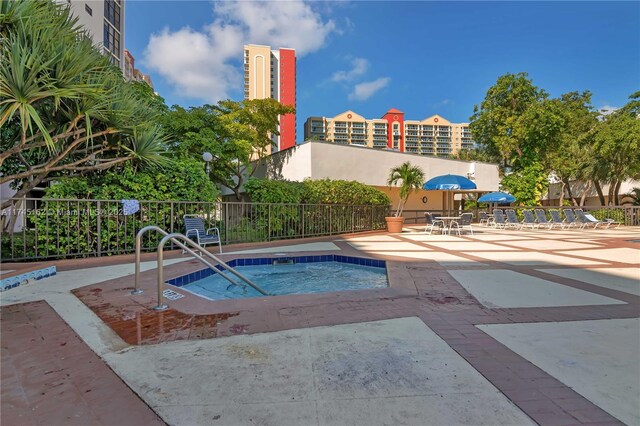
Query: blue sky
{"type": "Point", "coordinates": [423, 58]}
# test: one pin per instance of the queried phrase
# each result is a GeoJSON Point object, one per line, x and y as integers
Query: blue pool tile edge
{"type": "Point", "coordinates": [204, 273]}
{"type": "Point", "coordinates": [21, 279]}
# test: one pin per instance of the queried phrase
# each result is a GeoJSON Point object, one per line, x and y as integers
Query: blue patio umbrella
{"type": "Point", "coordinates": [497, 197]}
{"type": "Point", "coordinates": [449, 182]}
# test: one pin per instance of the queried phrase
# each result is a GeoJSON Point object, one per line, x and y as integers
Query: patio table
{"type": "Point", "coordinates": [448, 220]}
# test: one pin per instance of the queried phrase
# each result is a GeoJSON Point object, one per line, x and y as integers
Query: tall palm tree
{"type": "Point", "coordinates": [65, 109]}
{"type": "Point", "coordinates": [410, 178]}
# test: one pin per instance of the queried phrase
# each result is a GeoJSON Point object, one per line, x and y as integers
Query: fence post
{"type": "Point", "coordinates": [172, 219]}
{"type": "Point", "coordinates": [330, 221]}
{"type": "Point", "coordinates": [353, 213]}
{"type": "Point", "coordinates": [372, 213]}
{"type": "Point", "coordinates": [269, 224]}
{"type": "Point", "coordinates": [99, 226]}
{"type": "Point", "coordinates": [302, 220]}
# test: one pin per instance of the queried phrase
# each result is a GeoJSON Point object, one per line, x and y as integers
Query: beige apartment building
{"type": "Point", "coordinates": [272, 74]}
{"type": "Point", "coordinates": [433, 136]}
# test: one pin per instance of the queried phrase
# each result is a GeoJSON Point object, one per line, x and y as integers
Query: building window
{"type": "Point", "coordinates": [112, 12]}
{"type": "Point", "coordinates": [88, 9]}
{"type": "Point", "coordinates": [111, 40]}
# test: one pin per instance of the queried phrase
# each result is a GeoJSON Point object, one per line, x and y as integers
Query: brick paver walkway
{"type": "Point", "coordinates": [51, 377]}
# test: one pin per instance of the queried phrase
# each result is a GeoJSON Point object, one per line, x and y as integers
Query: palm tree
{"type": "Point", "coordinates": [65, 109]}
{"type": "Point", "coordinates": [411, 178]}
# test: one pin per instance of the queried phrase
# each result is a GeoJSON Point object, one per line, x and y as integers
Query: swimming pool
{"type": "Point", "coordinates": [302, 275]}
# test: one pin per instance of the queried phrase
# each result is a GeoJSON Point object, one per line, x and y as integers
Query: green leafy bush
{"type": "Point", "coordinates": [322, 191]}
{"type": "Point", "coordinates": [528, 185]}
{"type": "Point", "coordinates": [344, 207]}
{"type": "Point", "coordinates": [183, 180]}
{"type": "Point", "coordinates": [327, 191]}
{"type": "Point", "coordinates": [65, 228]}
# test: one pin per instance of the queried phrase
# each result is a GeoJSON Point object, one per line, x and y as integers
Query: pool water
{"type": "Point", "coordinates": [297, 278]}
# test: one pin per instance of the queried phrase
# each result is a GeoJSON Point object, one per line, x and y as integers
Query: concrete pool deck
{"type": "Point", "coordinates": [436, 310]}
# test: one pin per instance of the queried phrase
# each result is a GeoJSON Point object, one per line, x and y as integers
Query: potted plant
{"type": "Point", "coordinates": [409, 178]}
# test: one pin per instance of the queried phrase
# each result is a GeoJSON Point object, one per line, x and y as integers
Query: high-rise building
{"type": "Point", "coordinates": [132, 73]}
{"type": "Point", "coordinates": [104, 21]}
{"type": "Point", "coordinates": [434, 135]}
{"type": "Point", "coordinates": [272, 74]}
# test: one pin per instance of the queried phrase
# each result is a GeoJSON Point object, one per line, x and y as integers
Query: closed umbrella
{"type": "Point", "coordinates": [449, 183]}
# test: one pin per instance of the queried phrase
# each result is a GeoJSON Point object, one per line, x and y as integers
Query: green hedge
{"type": "Point", "coordinates": [68, 229]}
{"type": "Point", "coordinates": [323, 191]}
{"type": "Point", "coordinates": [291, 219]}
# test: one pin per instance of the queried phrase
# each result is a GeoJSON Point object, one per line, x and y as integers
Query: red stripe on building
{"type": "Point", "coordinates": [287, 97]}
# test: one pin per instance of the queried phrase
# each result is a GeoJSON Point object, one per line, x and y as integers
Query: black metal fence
{"type": "Point", "coordinates": [42, 229]}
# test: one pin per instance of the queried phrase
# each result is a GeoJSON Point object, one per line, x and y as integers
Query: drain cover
{"type": "Point", "coordinates": [172, 295]}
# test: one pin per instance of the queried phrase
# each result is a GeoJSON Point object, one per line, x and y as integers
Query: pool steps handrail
{"type": "Point", "coordinates": [175, 238]}
{"type": "Point", "coordinates": [136, 288]}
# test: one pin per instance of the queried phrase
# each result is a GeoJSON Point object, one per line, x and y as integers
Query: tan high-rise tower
{"type": "Point", "coordinates": [272, 74]}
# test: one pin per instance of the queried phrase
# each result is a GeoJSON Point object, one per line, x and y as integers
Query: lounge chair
{"type": "Point", "coordinates": [463, 223]}
{"type": "Point", "coordinates": [570, 218]}
{"type": "Point", "coordinates": [529, 220]}
{"type": "Point", "coordinates": [499, 221]}
{"type": "Point", "coordinates": [512, 218]}
{"type": "Point", "coordinates": [587, 219]}
{"type": "Point", "coordinates": [432, 223]}
{"type": "Point", "coordinates": [556, 219]}
{"type": "Point", "coordinates": [484, 218]}
{"type": "Point", "coordinates": [541, 217]}
{"type": "Point", "coordinates": [195, 228]}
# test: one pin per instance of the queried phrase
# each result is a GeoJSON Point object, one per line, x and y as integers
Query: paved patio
{"type": "Point", "coordinates": [532, 325]}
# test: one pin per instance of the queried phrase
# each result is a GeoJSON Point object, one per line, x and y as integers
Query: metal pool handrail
{"type": "Point", "coordinates": [136, 287]}
{"type": "Point", "coordinates": [174, 238]}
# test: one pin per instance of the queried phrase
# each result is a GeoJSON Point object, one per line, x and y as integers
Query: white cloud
{"type": "Point", "coordinates": [364, 91]}
{"type": "Point", "coordinates": [358, 67]}
{"type": "Point", "coordinates": [607, 109]}
{"type": "Point", "coordinates": [206, 64]}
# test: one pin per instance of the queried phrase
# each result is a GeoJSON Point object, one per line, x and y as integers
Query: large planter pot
{"type": "Point", "coordinates": [394, 224]}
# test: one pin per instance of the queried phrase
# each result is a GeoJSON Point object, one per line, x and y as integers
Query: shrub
{"type": "Point", "coordinates": [327, 191]}
{"type": "Point", "coordinates": [68, 228]}
{"type": "Point", "coordinates": [293, 218]}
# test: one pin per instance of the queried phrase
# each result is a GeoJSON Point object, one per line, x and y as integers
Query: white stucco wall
{"type": "Point", "coordinates": [318, 160]}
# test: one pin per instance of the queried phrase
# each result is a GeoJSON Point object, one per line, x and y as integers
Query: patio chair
{"type": "Point", "coordinates": [570, 218]}
{"type": "Point", "coordinates": [432, 223]}
{"type": "Point", "coordinates": [484, 218]}
{"type": "Point", "coordinates": [541, 217]}
{"type": "Point", "coordinates": [529, 220]}
{"type": "Point", "coordinates": [463, 223]}
{"type": "Point", "coordinates": [556, 219]}
{"type": "Point", "coordinates": [512, 218]}
{"type": "Point", "coordinates": [195, 228]}
{"type": "Point", "coordinates": [499, 221]}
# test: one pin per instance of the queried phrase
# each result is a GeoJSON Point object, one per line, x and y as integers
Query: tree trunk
{"type": "Point", "coordinates": [569, 193]}
{"type": "Point", "coordinates": [611, 193]}
{"type": "Point", "coordinates": [596, 183]}
{"type": "Point", "coordinates": [561, 198]}
{"type": "Point", "coordinates": [586, 190]}
{"type": "Point", "coordinates": [617, 193]}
